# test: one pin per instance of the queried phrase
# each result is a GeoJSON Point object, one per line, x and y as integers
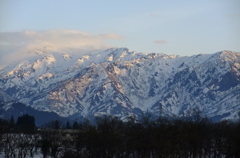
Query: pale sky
{"type": "Point", "coordinates": [182, 27]}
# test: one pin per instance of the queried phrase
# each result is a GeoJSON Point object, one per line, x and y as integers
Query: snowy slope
{"type": "Point", "coordinates": [124, 83]}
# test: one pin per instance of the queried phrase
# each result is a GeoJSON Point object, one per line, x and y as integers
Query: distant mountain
{"type": "Point", "coordinates": [18, 109]}
{"type": "Point", "coordinates": [125, 83]}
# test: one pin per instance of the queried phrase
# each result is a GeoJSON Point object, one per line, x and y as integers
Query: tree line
{"type": "Point", "coordinates": [109, 137]}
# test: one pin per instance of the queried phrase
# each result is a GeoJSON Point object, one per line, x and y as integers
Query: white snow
{"type": "Point", "coordinates": [133, 75]}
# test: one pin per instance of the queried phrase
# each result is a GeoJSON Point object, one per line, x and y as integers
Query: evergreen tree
{"type": "Point", "coordinates": [68, 125]}
{"type": "Point", "coordinates": [75, 125]}
{"type": "Point", "coordinates": [26, 123]}
{"type": "Point", "coordinates": [11, 123]}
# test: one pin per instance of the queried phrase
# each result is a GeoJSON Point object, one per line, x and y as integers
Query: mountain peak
{"type": "Point", "coordinates": [120, 82]}
{"type": "Point", "coordinates": [229, 55]}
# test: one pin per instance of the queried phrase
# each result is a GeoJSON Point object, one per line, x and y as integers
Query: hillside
{"type": "Point", "coordinates": [125, 83]}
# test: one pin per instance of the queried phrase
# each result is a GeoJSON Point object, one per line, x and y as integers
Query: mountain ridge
{"type": "Point", "coordinates": [126, 83]}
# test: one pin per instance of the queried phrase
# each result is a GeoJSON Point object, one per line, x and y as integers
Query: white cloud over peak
{"type": "Point", "coordinates": [16, 44]}
{"type": "Point", "coordinates": [160, 42]}
{"type": "Point", "coordinates": [55, 39]}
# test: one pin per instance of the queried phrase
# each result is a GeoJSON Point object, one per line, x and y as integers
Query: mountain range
{"type": "Point", "coordinates": [124, 83]}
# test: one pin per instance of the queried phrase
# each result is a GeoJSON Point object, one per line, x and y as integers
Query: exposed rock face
{"type": "Point", "coordinates": [123, 83]}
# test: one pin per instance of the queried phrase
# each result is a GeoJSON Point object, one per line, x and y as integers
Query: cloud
{"type": "Point", "coordinates": [52, 40]}
{"type": "Point", "coordinates": [234, 15]}
{"type": "Point", "coordinates": [154, 16]}
{"type": "Point", "coordinates": [55, 39]}
{"type": "Point", "coordinates": [160, 42]}
{"type": "Point", "coordinates": [111, 36]}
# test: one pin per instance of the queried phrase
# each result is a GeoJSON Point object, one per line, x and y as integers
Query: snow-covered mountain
{"type": "Point", "coordinates": [125, 83]}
